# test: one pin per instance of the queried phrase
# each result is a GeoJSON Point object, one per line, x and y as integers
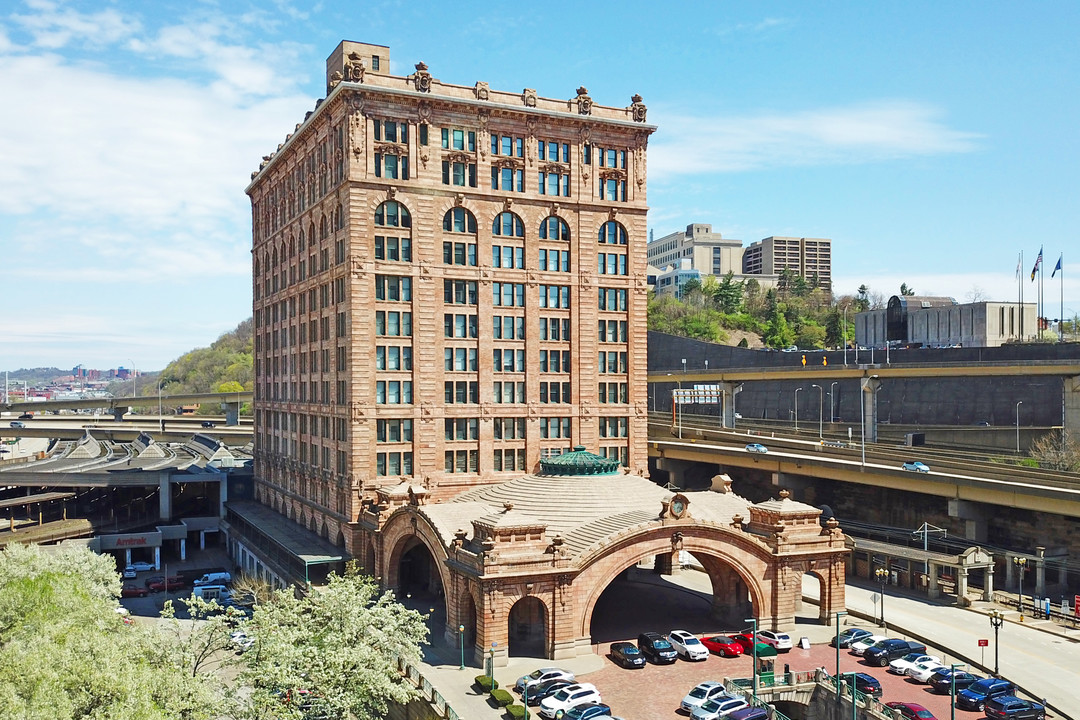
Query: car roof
{"type": "Point", "coordinates": [709, 683]}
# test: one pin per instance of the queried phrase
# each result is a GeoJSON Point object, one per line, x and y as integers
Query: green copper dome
{"type": "Point", "coordinates": [579, 462]}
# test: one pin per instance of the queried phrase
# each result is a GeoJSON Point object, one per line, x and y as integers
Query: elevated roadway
{"type": "Point", "coordinates": [114, 403]}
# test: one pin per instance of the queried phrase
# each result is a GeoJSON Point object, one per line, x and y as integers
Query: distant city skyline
{"type": "Point", "coordinates": [932, 143]}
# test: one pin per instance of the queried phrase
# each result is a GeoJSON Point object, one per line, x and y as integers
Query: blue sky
{"type": "Point", "coordinates": [933, 142]}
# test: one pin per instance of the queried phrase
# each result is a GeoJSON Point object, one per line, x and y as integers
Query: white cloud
{"type": "Point", "coordinates": [54, 26]}
{"type": "Point", "coordinates": [870, 132]}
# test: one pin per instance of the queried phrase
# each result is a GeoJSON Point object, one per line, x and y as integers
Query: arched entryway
{"type": "Point", "coordinates": [468, 621]}
{"type": "Point", "coordinates": [417, 573]}
{"type": "Point", "coordinates": [528, 624]}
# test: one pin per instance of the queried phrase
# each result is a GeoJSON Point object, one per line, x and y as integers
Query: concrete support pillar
{"type": "Point", "coordinates": [157, 558]}
{"type": "Point", "coordinates": [232, 412]}
{"type": "Point", "coordinates": [119, 412]}
{"type": "Point", "coordinates": [223, 495]}
{"type": "Point", "coordinates": [183, 549]}
{"type": "Point", "coordinates": [164, 497]}
{"type": "Point", "coordinates": [988, 584]}
{"type": "Point", "coordinates": [127, 557]}
{"type": "Point", "coordinates": [728, 391]}
{"type": "Point", "coordinates": [202, 539]}
{"type": "Point", "coordinates": [870, 387]}
{"type": "Point", "coordinates": [1010, 571]}
{"type": "Point", "coordinates": [664, 564]}
{"type": "Point", "coordinates": [934, 589]}
{"type": "Point", "coordinates": [961, 585]}
{"type": "Point", "coordinates": [1040, 571]}
{"type": "Point", "coordinates": [1063, 574]}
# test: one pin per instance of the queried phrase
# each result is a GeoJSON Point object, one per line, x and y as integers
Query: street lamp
{"type": "Point", "coordinates": [753, 644]}
{"type": "Point", "coordinates": [1021, 564]}
{"type": "Point", "coordinates": [851, 692]}
{"type": "Point", "coordinates": [996, 621]}
{"type": "Point", "coordinates": [1018, 425]}
{"type": "Point", "coordinates": [952, 689]}
{"type": "Point", "coordinates": [820, 408]}
{"type": "Point", "coordinates": [882, 575]}
{"type": "Point", "coordinates": [461, 635]}
{"type": "Point", "coordinates": [838, 614]}
{"type": "Point", "coordinates": [134, 378]}
{"type": "Point", "coordinates": [832, 400]}
{"type": "Point", "coordinates": [797, 409]}
{"type": "Point", "coordinates": [843, 333]}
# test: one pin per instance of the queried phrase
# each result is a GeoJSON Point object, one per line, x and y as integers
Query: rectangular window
{"type": "Point", "coordinates": [612, 299]}
{"type": "Point", "coordinates": [508, 392]}
{"type": "Point", "coordinates": [506, 256]}
{"type": "Point", "coordinates": [393, 392]}
{"type": "Point", "coordinates": [461, 429]}
{"type": "Point", "coordinates": [393, 323]}
{"type": "Point", "coordinates": [555, 329]}
{"type": "Point", "coordinates": [461, 392]}
{"type": "Point", "coordinates": [555, 296]}
{"type": "Point", "coordinates": [555, 392]}
{"type": "Point", "coordinates": [459, 292]}
{"type": "Point", "coordinates": [394, 431]}
{"type": "Point", "coordinates": [393, 288]}
{"type": "Point", "coordinates": [509, 428]}
{"type": "Point", "coordinates": [555, 427]}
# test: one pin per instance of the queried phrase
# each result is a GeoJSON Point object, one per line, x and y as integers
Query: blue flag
{"type": "Point", "coordinates": [1058, 266]}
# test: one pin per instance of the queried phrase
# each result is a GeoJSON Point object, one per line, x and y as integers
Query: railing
{"type": "Point", "coordinates": [744, 687]}
{"type": "Point", "coordinates": [427, 690]}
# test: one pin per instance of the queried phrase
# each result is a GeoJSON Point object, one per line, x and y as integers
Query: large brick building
{"type": "Point", "coordinates": [450, 289]}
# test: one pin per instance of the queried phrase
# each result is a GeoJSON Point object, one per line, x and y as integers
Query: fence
{"type": "Point", "coordinates": [427, 690]}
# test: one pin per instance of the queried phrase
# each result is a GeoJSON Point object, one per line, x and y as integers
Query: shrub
{"type": "Point", "coordinates": [502, 697]}
{"type": "Point", "coordinates": [486, 683]}
{"type": "Point", "coordinates": [517, 712]}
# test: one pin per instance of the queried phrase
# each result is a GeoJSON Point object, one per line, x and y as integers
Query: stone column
{"type": "Point", "coordinates": [183, 548]}
{"type": "Point", "coordinates": [961, 585]}
{"type": "Point", "coordinates": [728, 391]}
{"type": "Point", "coordinates": [1010, 570]}
{"type": "Point", "coordinates": [988, 584]}
{"type": "Point", "coordinates": [934, 588]}
{"type": "Point", "coordinates": [164, 497]}
{"type": "Point", "coordinates": [870, 387]}
{"type": "Point", "coordinates": [1040, 571]}
{"type": "Point", "coordinates": [157, 558]}
{"type": "Point", "coordinates": [665, 564]}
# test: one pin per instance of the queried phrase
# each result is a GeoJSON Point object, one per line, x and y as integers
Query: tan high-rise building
{"type": "Point", "coordinates": [449, 285]}
{"type": "Point", "coordinates": [809, 257]}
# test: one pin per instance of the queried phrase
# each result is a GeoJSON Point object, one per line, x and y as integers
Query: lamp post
{"type": "Point", "coordinates": [838, 614]}
{"type": "Point", "coordinates": [882, 575]}
{"type": "Point", "coordinates": [161, 418]}
{"type": "Point", "coordinates": [461, 636]}
{"type": "Point", "coordinates": [1021, 564]}
{"type": "Point", "coordinates": [753, 644]}
{"type": "Point", "coordinates": [820, 408]}
{"type": "Point", "coordinates": [1018, 425]}
{"type": "Point", "coordinates": [797, 390]}
{"type": "Point", "coordinates": [851, 690]}
{"type": "Point", "coordinates": [843, 333]}
{"type": "Point", "coordinates": [491, 663]}
{"type": "Point", "coordinates": [832, 400]}
{"type": "Point", "coordinates": [952, 689]}
{"type": "Point", "coordinates": [996, 621]}
{"type": "Point", "coordinates": [134, 378]}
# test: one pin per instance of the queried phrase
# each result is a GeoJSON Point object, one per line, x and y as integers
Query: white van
{"type": "Point", "coordinates": [211, 592]}
{"type": "Point", "coordinates": [218, 578]}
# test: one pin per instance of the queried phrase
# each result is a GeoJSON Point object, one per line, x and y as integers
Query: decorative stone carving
{"type": "Point", "coordinates": [482, 90]}
{"type": "Point", "coordinates": [482, 117]}
{"type": "Point", "coordinates": [612, 213]}
{"type": "Point", "coordinates": [637, 109]}
{"type": "Point", "coordinates": [584, 102]}
{"type": "Point", "coordinates": [585, 133]}
{"type": "Point", "coordinates": [391, 192]}
{"type": "Point", "coordinates": [507, 204]}
{"type": "Point", "coordinates": [391, 149]}
{"type": "Point", "coordinates": [422, 78]}
{"type": "Point", "coordinates": [530, 126]}
{"type": "Point", "coordinates": [459, 199]}
{"type": "Point", "coordinates": [555, 168]}
{"type": "Point", "coordinates": [460, 157]}
{"type": "Point", "coordinates": [335, 80]}
{"type": "Point", "coordinates": [555, 209]}
{"type": "Point", "coordinates": [355, 68]}
{"type": "Point", "coordinates": [528, 97]}
{"type": "Point", "coordinates": [423, 111]}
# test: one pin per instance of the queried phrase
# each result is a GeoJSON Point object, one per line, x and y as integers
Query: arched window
{"type": "Point", "coordinates": [324, 228]}
{"type": "Point", "coordinates": [554, 228]}
{"type": "Point", "coordinates": [508, 224]}
{"type": "Point", "coordinates": [612, 233]}
{"type": "Point", "coordinates": [339, 218]}
{"type": "Point", "coordinates": [459, 220]}
{"type": "Point", "coordinates": [461, 251]}
{"type": "Point", "coordinates": [396, 247]}
{"type": "Point", "coordinates": [292, 246]}
{"type": "Point", "coordinates": [393, 214]}
{"type": "Point", "coordinates": [301, 244]}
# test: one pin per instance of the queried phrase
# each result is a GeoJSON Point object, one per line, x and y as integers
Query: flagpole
{"type": "Point", "coordinates": [1021, 279]}
{"type": "Point", "coordinates": [1061, 298]}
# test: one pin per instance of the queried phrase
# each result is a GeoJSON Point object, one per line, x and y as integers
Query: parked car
{"type": "Point", "coordinates": [130, 591]}
{"type": "Point", "coordinates": [241, 640]}
{"type": "Point", "coordinates": [900, 666]}
{"type": "Point", "coordinates": [719, 707]}
{"type": "Point", "coordinates": [700, 694]}
{"type": "Point", "coordinates": [153, 579]}
{"type": "Point", "coordinates": [16, 424]}
{"type": "Point", "coordinates": [545, 689]}
{"type": "Point", "coordinates": [942, 681]}
{"type": "Point", "coordinates": [627, 655]}
{"type": "Point", "coordinates": [1011, 707]}
{"type": "Point", "coordinates": [141, 566]}
{"type": "Point", "coordinates": [849, 636]}
{"type": "Point", "coordinates": [859, 647]}
{"type": "Point", "coordinates": [911, 710]}
{"type": "Point", "coordinates": [888, 650]}
{"type": "Point", "coordinates": [174, 582]}
{"type": "Point", "coordinates": [687, 646]}
{"type": "Point", "coordinates": [975, 695]}
{"type": "Point", "coordinates": [780, 641]}
{"type": "Point", "coordinates": [543, 675]}
{"type": "Point", "coordinates": [749, 713]}
{"type": "Point", "coordinates": [128, 573]}
{"type": "Point", "coordinates": [915, 466]}
{"type": "Point", "coordinates": [587, 711]}
{"type": "Point", "coordinates": [745, 640]}
{"type": "Point", "coordinates": [756, 448]}
{"type": "Point", "coordinates": [723, 645]}
{"type": "Point", "coordinates": [207, 424]}
{"type": "Point", "coordinates": [556, 704]}
{"type": "Point", "coordinates": [26, 416]}
{"type": "Point", "coordinates": [923, 671]}
{"type": "Point", "coordinates": [656, 648]}
{"type": "Point", "coordinates": [866, 684]}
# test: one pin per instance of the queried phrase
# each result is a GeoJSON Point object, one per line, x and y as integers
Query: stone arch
{"type": "Point", "coordinates": [528, 625]}
{"type": "Point", "coordinates": [401, 532]}
{"type": "Point", "coordinates": [751, 562]}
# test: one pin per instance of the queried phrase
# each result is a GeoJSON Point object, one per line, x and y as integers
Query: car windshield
{"type": "Point", "coordinates": [691, 641]}
{"type": "Point", "coordinates": [722, 639]}
{"type": "Point", "coordinates": [562, 695]}
{"type": "Point", "coordinates": [925, 715]}
{"type": "Point", "coordinates": [535, 674]}
{"type": "Point", "coordinates": [700, 692]}
{"type": "Point", "coordinates": [662, 645]}
{"type": "Point", "coordinates": [980, 687]}
{"type": "Point", "coordinates": [712, 705]}
{"type": "Point", "coordinates": [911, 657]}
{"type": "Point", "coordinates": [629, 650]}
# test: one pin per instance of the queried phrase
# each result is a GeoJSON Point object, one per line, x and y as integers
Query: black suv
{"type": "Point", "coordinates": [892, 649]}
{"type": "Point", "coordinates": [656, 648]}
{"type": "Point", "coordinates": [1008, 707]}
{"type": "Point", "coordinates": [942, 681]}
{"type": "Point", "coordinates": [866, 684]}
{"type": "Point", "coordinates": [974, 696]}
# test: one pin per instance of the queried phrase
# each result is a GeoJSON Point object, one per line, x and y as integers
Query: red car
{"type": "Point", "coordinates": [129, 591]}
{"type": "Point", "coordinates": [745, 640]}
{"type": "Point", "coordinates": [174, 582]}
{"type": "Point", "coordinates": [911, 710]}
{"type": "Point", "coordinates": [723, 645]}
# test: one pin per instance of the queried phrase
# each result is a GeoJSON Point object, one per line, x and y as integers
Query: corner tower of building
{"type": "Point", "coordinates": [449, 285]}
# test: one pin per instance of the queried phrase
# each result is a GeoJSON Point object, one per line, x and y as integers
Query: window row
{"type": "Point", "coordinates": [394, 431]}
{"type": "Point", "coordinates": [613, 393]}
{"type": "Point", "coordinates": [612, 362]}
{"type": "Point", "coordinates": [393, 357]}
{"type": "Point", "coordinates": [509, 360]}
{"type": "Point", "coordinates": [555, 361]}
{"type": "Point", "coordinates": [393, 392]}
{"type": "Point", "coordinates": [508, 327]}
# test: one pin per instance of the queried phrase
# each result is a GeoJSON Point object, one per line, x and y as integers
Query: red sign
{"type": "Point", "coordinates": [1076, 605]}
{"type": "Point", "coordinates": [983, 642]}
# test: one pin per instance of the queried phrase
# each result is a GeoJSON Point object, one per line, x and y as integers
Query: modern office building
{"type": "Point", "coordinates": [810, 258]}
{"type": "Point", "coordinates": [942, 322]}
{"type": "Point", "coordinates": [449, 285]}
{"type": "Point", "coordinates": [708, 252]}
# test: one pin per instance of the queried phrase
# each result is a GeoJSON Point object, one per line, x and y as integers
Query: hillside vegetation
{"type": "Point", "coordinates": [225, 366]}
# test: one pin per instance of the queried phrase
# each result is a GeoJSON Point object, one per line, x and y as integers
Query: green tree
{"type": "Point", "coordinates": [799, 286]}
{"type": "Point", "coordinates": [810, 335]}
{"type": "Point", "coordinates": [862, 299]}
{"type": "Point", "coordinates": [341, 644]}
{"type": "Point", "coordinates": [778, 334]}
{"type": "Point", "coordinates": [905, 290]}
{"type": "Point", "coordinates": [729, 294]}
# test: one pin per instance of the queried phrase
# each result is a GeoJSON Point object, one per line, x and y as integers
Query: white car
{"type": "Point", "coordinates": [702, 693]}
{"type": "Point", "coordinates": [780, 641]}
{"type": "Point", "coordinates": [858, 648]}
{"type": "Point", "coordinates": [241, 640]}
{"type": "Point", "coordinates": [537, 677]}
{"type": "Point", "coordinates": [719, 707]}
{"type": "Point", "coordinates": [900, 666]}
{"type": "Point", "coordinates": [141, 566]}
{"type": "Point", "coordinates": [922, 672]}
{"type": "Point", "coordinates": [571, 696]}
{"type": "Point", "coordinates": [129, 573]}
{"type": "Point", "coordinates": [687, 646]}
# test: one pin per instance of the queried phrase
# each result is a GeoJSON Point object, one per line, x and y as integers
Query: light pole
{"type": "Point", "coordinates": [820, 408]}
{"type": "Point", "coordinates": [844, 334]}
{"type": "Point", "coordinates": [882, 575]}
{"type": "Point", "coordinates": [838, 614]}
{"type": "Point", "coordinates": [1018, 425]}
{"type": "Point", "coordinates": [753, 644]}
{"type": "Point", "coordinates": [832, 400]}
{"type": "Point", "coordinates": [461, 635]}
{"type": "Point", "coordinates": [1021, 564]}
{"type": "Point", "coordinates": [851, 692]}
{"type": "Point", "coordinates": [952, 689]}
{"type": "Point", "coordinates": [134, 378]}
{"type": "Point", "coordinates": [797, 390]}
{"type": "Point", "coordinates": [996, 621]}
{"type": "Point", "coordinates": [161, 418]}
